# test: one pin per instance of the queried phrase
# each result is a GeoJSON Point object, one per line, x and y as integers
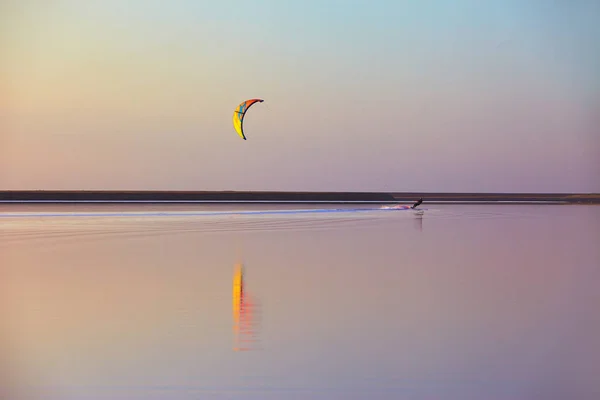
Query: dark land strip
{"type": "Point", "coordinates": [109, 196]}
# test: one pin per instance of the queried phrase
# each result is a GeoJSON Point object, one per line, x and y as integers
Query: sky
{"type": "Point", "coordinates": [371, 95]}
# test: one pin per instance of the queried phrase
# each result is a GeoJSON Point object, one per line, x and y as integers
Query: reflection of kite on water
{"type": "Point", "coordinates": [244, 313]}
{"type": "Point", "coordinates": [240, 113]}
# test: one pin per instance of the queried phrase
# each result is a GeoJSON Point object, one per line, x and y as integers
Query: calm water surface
{"type": "Point", "coordinates": [462, 302]}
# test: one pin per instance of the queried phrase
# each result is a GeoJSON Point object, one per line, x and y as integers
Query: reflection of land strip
{"type": "Point", "coordinates": [288, 197]}
{"type": "Point", "coordinates": [590, 198]}
{"type": "Point", "coordinates": [245, 314]}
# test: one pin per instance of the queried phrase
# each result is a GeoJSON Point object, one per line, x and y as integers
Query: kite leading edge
{"type": "Point", "coordinates": [239, 113]}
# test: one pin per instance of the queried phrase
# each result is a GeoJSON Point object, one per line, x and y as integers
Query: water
{"type": "Point", "coordinates": [461, 302]}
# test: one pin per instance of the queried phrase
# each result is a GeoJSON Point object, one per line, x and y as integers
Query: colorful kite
{"type": "Point", "coordinates": [239, 113]}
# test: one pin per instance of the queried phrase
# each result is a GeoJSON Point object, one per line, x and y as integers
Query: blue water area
{"type": "Point", "coordinates": [202, 213]}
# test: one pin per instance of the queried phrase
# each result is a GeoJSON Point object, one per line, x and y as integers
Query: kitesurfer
{"type": "Point", "coordinates": [417, 203]}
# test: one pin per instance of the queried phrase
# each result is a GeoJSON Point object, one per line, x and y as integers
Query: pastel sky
{"type": "Point", "coordinates": [461, 95]}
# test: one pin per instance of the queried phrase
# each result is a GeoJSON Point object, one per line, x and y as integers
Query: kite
{"type": "Point", "coordinates": [239, 113]}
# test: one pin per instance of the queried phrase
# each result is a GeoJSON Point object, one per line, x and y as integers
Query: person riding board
{"type": "Point", "coordinates": [417, 203]}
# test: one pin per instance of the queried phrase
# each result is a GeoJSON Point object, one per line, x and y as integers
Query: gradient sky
{"type": "Point", "coordinates": [359, 95]}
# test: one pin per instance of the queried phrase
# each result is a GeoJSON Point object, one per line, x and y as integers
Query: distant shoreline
{"type": "Point", "coordinates": [110, 196]}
